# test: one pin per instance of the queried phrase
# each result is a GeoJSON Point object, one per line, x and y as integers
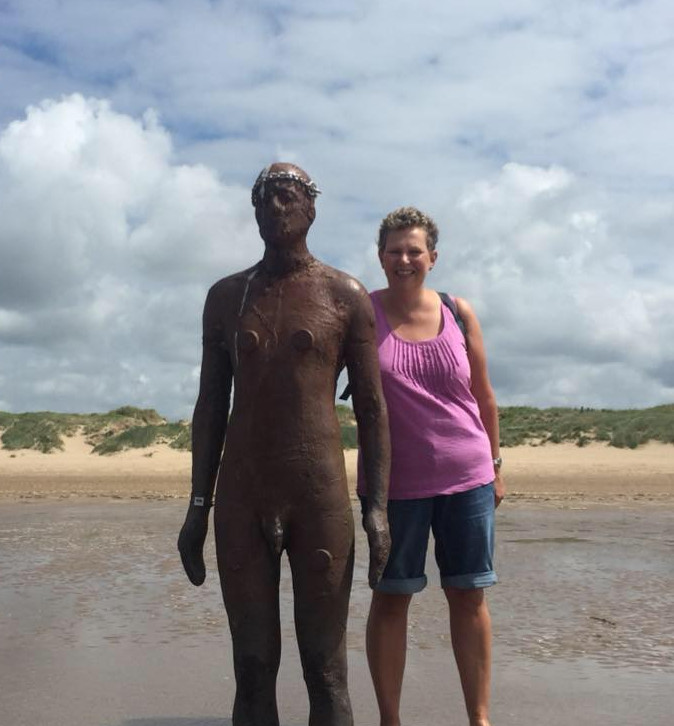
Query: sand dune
{"type": "Point", "coordinates": [554, 471]}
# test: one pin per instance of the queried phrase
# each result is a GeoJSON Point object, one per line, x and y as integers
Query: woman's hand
{"type": "Point", "coordinates": [499, 488]}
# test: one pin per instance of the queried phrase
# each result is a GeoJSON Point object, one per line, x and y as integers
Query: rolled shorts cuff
{"type": "Point", "coordinates": [474, 581]}
{"type": "Point", "coordinates": [408, 586]}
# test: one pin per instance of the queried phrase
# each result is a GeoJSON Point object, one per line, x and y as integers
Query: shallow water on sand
{"type": "Point", "coordinates": [94, 605]}
{"type": "Point", "coordinates": [597, 583]}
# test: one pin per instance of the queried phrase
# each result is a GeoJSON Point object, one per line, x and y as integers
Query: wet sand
{"type": "Point", "coordinates": [99, 626]}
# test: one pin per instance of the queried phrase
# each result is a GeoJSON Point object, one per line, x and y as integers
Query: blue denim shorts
{"type": "Point", "coordinates": [463, 528]}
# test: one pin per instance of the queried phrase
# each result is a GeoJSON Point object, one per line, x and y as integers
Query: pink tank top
{"type": "Point", "coordinates": [438, 442]}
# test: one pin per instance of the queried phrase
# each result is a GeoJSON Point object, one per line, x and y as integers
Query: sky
{"type": "Point", "coordinates": [538, 135]}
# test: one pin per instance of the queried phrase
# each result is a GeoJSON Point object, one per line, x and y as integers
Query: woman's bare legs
{"type": "Point", "coordinates": [470, 626]}
{"type": "Point", "coordinates": [386, 650]}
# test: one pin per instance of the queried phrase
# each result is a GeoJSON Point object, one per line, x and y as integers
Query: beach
{"type": "Point", "coordinates": [550, 473]}
{"type": "Point", "coordinates": [100, 627]}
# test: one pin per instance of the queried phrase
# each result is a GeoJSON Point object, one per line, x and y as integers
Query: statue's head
{"type": "Point", "coordinates": [283, 196]}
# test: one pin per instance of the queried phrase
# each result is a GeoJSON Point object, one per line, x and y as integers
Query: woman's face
{"type": "Point", "coordinates": [405, 258]}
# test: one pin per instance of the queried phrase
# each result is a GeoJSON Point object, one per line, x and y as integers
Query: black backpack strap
{"type": "Point", "coordinates": [450, 302]}
{"type": "Point", "coordinates": [346, 393]}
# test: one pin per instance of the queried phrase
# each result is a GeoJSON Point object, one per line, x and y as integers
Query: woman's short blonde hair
{"type": "Point", "coordinates": [404, 218]}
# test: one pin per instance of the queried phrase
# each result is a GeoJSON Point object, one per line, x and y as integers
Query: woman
{"type": "Point", "coordinates": [445, 466]}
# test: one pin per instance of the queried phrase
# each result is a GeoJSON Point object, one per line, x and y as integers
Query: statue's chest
{"type": "Point", "coordinates": [287, 321]}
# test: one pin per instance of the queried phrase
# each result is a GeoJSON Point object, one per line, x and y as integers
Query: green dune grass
{"type": "Point", "coordinates": [132, 428]}
{"type": "Point", "coordinates": [620, 428]}
{"type": "Point", "coordinates": [123, 428]}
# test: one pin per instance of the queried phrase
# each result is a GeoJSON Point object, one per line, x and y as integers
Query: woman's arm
{"type": "Point", "coordinates": [481, 388]}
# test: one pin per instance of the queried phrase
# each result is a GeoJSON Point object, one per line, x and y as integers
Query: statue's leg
{"type": "Point", "coordinates": [249, 575]}
{"type": "Point", "coordinates": [321, 560]}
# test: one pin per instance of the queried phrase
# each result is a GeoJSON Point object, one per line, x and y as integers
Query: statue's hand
{"type": "Point", "coordinates": [379, 539]}
{"type": "Point", "coordinates": [191, 543]}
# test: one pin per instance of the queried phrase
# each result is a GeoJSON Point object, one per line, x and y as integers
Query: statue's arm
{"type": "Point", "coordinates": [211, 411]}
{"type": "Point", "coordinates": [209, 424]}
{"type": "Point", "coordinates": [362, 362]}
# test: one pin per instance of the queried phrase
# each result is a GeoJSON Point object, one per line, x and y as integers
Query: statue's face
{"type": "Point", "coordinates": [284, 212]}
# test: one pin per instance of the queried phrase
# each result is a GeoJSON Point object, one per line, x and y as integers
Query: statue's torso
{"type": "Point", "coordinates": [285, 339]}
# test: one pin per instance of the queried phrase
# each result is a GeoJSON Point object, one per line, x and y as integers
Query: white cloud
{"type": "Point", "coordinates": [537, 134]}
{"type": "Point", "coordinates": [549, 271]}
{"type": "Point", "coordinates": [108, 246]}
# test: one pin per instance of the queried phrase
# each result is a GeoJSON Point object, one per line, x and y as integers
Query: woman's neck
{"type": "Point", "coordinates": [406, 301]}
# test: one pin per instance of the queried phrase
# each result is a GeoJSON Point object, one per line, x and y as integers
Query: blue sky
{"type": "Point", "coordinates": [538, 135]}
